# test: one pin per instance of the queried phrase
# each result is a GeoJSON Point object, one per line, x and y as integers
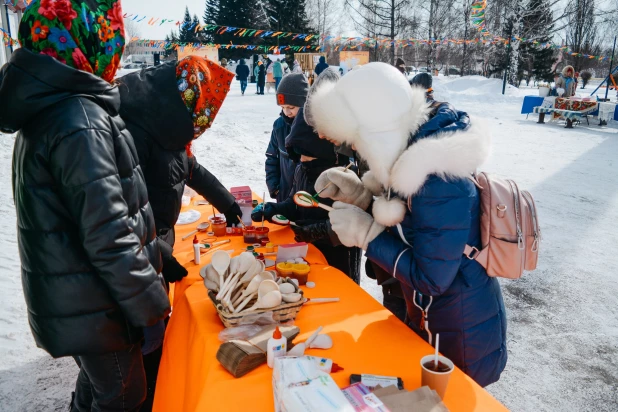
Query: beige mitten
{"type": "Point", "coordinates": [343, 186]}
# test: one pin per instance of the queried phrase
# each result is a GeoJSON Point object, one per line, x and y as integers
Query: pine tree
{"type": "Point", "coordinates": [187, 28]}
{"type": "Point", "coordinates": [235, 13]}
{"type": "Point", "coordinates": [211, 12]}
{"type": "Point", "coordinates": [540, 24]}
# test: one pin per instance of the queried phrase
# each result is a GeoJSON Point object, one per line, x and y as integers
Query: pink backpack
{"type": "Point", "coordinates": [510, 232]}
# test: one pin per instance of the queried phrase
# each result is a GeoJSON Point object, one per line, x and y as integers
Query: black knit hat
{"type": "Point", "coordinates": [293, 90]}
{"type": "Point", "coordinates": [422, 79]}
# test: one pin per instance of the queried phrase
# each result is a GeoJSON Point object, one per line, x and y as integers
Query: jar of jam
{"type": "Point", "coordinates": [218, 225]}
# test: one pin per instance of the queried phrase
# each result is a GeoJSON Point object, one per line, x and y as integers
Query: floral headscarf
{"type": "Point", "coordinates": [87, 35]}
{"type": "Point", "coordinates": [203, 85]}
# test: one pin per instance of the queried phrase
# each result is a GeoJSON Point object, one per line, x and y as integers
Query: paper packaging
{"type": "Point", "coordinates": [244, 198]}
{"type": "Point", "coordinates": [420, 400]}
{"type": "Point", "coordinates": [363, 400]}
{"type": "Point", "coordinates": [298, 386]}
{"type": "Point", "coordinates": [372, 381]}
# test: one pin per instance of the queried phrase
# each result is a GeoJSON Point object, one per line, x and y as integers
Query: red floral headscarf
{"type": "Point", "coordinates": [203, 86]}
{"type": "Point", "coordinates": [87, 35]}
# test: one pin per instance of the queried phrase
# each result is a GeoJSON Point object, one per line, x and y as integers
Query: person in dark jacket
{"type": "Point", "coordinates": [313, 157]}
{"type": "Point", "coordinates": [401, 66]}
{"type": "Point", "coordinates": [86, 234]}
{"type": "Point", "coordinates": [427, 211]}
{"type": "Point", "coordinates": [261, 78]}
{"type": "Point", "coordinates": [280, 168]}
{"type": "Point", "coordinates": [163, 123]}
{"type": "Point", "coordinates": [321, 66]}
{"type": "Point", "coordinates": [242, 73]}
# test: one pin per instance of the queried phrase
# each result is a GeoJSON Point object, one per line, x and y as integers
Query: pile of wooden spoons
{"type": "Point", "coordinates": [239, 280]}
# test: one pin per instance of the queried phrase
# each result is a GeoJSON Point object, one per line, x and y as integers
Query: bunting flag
{"type": "Point", "coordinates": [477, 16]}
{"type": "Point", "coordinates": [218, 29]}
{"type": "Point", "coordinates": [7, 40]}
{"type": "Point", "coordinates": [168, 45]}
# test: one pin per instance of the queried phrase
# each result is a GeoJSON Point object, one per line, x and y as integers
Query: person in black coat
{"type": "Point", "coordinates": [242, 74]}
{"type": "Point", "coordinates": [321, 66]}
{"type": "Point", "coordinates": [163, 129]}
{"type": "Point", "coordinates": [261, 78]}
{"type": "Point", "coordinates": [88, 248]}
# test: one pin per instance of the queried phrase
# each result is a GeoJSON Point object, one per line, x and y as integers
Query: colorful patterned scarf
{"type": "Point", "coordinates": [87, 35]}
{"type": "Point", "coordinates": [203, 85]}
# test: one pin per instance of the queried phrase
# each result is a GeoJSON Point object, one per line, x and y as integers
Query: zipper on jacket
{"type": "Point", "coordinates": [535, 224]}
{"type": "Point", "coordinates": [520, 237]}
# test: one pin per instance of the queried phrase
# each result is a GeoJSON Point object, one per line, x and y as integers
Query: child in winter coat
{"type": "Point", "coordinates": [313, 156]}
{"type": "Point", "coordinates": [279, 167]}
{"type": "Point", "coordinates": [427, 210]}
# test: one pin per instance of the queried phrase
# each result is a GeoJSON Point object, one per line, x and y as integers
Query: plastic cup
{"type": "Point", "coordinates": [218, 224]}
{"type": "Point", "coordinates": [249, 234]}
{"type": "Point", "coordinates": [438, 381]}
{"type": "Point", "coordinates": [261, 233]}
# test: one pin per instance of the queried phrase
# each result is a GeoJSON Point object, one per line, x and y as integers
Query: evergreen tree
{"type": "Point", "coordinates": [211, 12]}
{"type": "Point", "coordinates": [187, 28]}
{"type": "Point", "coordinates": [540, 23]}
{"type": "Point", "coordinates": [234, 13]}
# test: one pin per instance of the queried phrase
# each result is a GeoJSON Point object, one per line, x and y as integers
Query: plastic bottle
{"type": "Point", "coordinates": [196, 250]}
{"type": "Point", "coordinates": [276, 347]}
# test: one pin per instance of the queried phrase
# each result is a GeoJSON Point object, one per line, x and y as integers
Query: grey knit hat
{"type": "Point", "coordinates": [293, 90]}
{"type": "Point", "coordinates": [328, 75]}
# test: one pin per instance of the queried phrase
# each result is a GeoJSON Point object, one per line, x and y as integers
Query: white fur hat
{"type": "Point", "coordinates": [374, 100]}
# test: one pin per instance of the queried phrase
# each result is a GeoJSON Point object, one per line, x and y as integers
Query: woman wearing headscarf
{"type": "Point", "coordinates": [88, 248]}
{"type": "Point", "coordinates": [165, 108]}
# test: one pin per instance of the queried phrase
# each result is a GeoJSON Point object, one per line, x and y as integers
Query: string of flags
{"type": "Point", "coordinates": [218, 29]}
{"type": "Point", "coordinates": [168, 45]}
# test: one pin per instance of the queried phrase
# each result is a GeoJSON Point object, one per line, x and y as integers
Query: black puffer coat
{"type": "Point", "coordinates": [85, 228]}
{"type": "Point", "coordinates": [279, 166]}
{"type": "Point", "coordinates": [162, 127]}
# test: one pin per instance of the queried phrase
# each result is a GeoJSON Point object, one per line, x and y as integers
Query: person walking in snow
{"type": "Point", "coordinates": [261, 77]}
{"type": "Point", "coordinates": [242, 72]}
{"type": "Point", "coordinates": [256, 72]}
{"type": "Point", "coordinates": [277, 73]}
{"type": "Point", "coordinates": [297, 67]}
{"type": "Point", "coordinates": [321, 66]}
{"type": "Point", "coordinates": [426, 212]}
{"type": "Point", "coordinates": [279, 167]}
{"type": "Point", "coordinates": [165, 108]}
{"type": "Point", "coordinates": [88, 248]}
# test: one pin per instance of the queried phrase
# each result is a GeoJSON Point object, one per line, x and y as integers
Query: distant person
{"type": "Point", "coordinates": [261, 78]}
{"type": "Point", "coordinates": [566, 82]}
{"type": "Point", "coordinates": [297, 67]}
{"type": "Point", "coordinates": [401, 66]}
{"type": "Point", "coordinates": [341, 71]}
{"type": "Point", "coordinates": [242, 73]}
{"type": "Point", "coordinates": [224, 62]}
{"type": "Point", "coordinates": [87, 242]}
{"type": "Point", "coordinates": [256, 73]}
{"type": "Point", "coordinates": [279, 167]}
{"type": "Point", "coordinates": [277, 73]}
{"type": "Point", "coordinates": [319, 68]}
{"type": "Point", "coordinates": [576, 78]}
{"type": "Point", "coordinates": [286, 68]}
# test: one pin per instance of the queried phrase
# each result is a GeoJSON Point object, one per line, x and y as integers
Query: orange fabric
{"type": "Point", "coordinates": [367, 339]}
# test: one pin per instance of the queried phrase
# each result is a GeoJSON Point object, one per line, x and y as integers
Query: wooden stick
{"type": "Point", "coordinates": [330, 209]}
{"type": "Point", "coordinates": [240, 220]}
{"type": "Point", "coordinates": [330, 183]}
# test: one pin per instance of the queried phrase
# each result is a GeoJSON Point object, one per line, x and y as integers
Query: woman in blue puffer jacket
{"type": "Point", "coordinates": [427, 210]}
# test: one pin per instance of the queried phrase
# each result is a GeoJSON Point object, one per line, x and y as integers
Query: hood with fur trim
{"type": "Point", "coordinates": [449, 155]}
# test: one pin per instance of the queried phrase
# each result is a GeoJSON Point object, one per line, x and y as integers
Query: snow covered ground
{"type": "Point", "coordinates": [563, 318]}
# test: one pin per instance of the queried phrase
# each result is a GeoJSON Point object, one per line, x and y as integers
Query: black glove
{"type": "Point", "coordinates": [309, 232]}
{"type": "Point", "coordinates": [268, 210]}
{"type": "Point", "coordinates": [231, 215]}
{"type": "Point", "coordinates": [173, 271]}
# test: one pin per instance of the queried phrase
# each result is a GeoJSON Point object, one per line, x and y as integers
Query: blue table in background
{"type": "Point", "coordinates": [530, 102]}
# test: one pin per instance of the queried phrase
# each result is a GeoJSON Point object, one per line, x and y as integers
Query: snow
{"type": "Point", "coordinates": [562, 318]}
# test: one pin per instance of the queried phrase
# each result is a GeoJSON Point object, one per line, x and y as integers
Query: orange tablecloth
{"type": "Point", "coordinates": [367, 339]}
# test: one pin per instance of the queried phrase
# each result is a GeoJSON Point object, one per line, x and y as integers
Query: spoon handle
{"type": "Point", "coordinates": [330, 209]}
{"type": "Point", "coordinates": [244, 303]}
{"type": "Point", "coordinates": [322, 300]}
{"type": "Point", "coordinates": [188, 235]}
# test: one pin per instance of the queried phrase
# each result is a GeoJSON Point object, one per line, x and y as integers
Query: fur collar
{"type": "Point", "coordinates": [450, 155]}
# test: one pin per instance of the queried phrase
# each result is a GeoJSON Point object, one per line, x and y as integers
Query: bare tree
{"type": "Point", "coordinates": [325, 15]}
{"type": "Point", "coordinates": [581, 33]}
{"type": "Point", "coordinates": [379, 18]}
{"type": "Point", "coordinates": [132, 31]}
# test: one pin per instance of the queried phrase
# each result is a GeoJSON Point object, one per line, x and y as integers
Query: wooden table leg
{"type": "Point", "coordinates": [541, 118]}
